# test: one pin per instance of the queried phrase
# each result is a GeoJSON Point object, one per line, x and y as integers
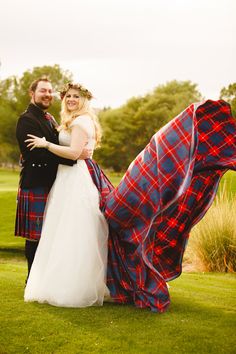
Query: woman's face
{"type": "Point", "coordinates": [72, 100]}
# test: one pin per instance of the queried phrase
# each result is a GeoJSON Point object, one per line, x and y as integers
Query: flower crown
{"type": "Point", "coordinates": [83, 92]}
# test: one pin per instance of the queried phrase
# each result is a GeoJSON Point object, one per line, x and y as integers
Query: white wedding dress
{"type": "Point", "coordinates": [69, 268]}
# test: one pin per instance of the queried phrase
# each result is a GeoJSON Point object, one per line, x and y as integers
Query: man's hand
{"type": "Point", "coordinates": [86, 154]}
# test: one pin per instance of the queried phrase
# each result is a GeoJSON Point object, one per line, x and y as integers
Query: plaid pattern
{"type": "Point", "coordinates": [51, 120]}
{"type": "Point", "coordinates": [30, 210]}
{"type": "Point", "coordinates": [167, 189]}
{"type": "Point", "coordinates": [103, 184]}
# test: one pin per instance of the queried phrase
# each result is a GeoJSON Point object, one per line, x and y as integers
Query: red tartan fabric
{"type": "Point", "coordinates": [30, 211]}
{"type": "Point", "coordinates": [47, 116]}
{"type": "Point", "coordinates": [101, 181]}
{"type": "Point", "coordinates": [167, 189]}
{"type": "Point", "coordinates": [51, 120]}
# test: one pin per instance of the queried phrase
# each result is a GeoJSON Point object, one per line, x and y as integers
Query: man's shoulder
{"type": "Point", "coordinates": [32, 111]}
{"type": "Point", "coordinates": [23, 115]}
{"type": "Point", "coordinates": [28, 113]}
{"type": "Point", "coordinates": [27, 118]}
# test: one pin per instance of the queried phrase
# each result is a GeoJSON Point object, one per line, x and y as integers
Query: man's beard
{"type": "Point", "coordinates": [42, 105]}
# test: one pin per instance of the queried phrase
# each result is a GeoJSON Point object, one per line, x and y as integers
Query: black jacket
{"type": "Point", "coordinates": [39, 166]}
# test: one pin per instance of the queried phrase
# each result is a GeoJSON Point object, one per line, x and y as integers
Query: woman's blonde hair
{"type": "Point", "coordinates": [67, 116]}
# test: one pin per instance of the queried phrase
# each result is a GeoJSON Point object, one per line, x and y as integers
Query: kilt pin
{"type": "Point", "coordinates": [166, 190]}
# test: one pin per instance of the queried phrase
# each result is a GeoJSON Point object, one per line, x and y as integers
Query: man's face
{"type": "Point", "coordinates": [42, 96]}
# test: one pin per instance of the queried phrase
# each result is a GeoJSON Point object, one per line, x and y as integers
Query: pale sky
{"type": "Point", "coordinates": [122, 48]}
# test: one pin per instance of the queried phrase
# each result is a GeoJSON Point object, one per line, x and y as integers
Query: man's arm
{"type": "Point", "coordinates": [25, 126]}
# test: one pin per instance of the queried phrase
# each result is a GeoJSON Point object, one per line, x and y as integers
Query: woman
{"type": "Point", "coordinates": [70, 264]}
{"type": "Point", "coordinates": [166, 190]}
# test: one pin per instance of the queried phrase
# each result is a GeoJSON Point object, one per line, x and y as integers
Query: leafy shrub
{"type": "Point", "coordinates": [212, 244]}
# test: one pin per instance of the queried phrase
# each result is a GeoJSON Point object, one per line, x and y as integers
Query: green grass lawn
{"type": "Point", "coordinates": [8, 180]}
{"type": "Point", "coordinates": [201, 318]}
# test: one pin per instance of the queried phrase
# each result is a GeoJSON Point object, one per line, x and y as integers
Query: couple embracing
{"type": "Point", "coordinates": [99, 243]}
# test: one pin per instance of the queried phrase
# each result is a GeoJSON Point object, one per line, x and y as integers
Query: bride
{"type": "Point", "coordinates": [69, 268]}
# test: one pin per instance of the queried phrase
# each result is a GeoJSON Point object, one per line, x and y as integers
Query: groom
{"type": "Point", "coordinates": [38, 167]}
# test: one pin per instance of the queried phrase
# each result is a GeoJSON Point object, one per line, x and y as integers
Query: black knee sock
{"type": "Point", "coordinates": [30, 249]}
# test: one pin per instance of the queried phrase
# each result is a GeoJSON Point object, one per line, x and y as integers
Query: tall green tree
{"type": "Point", "coordinates": [229, 95]}
{"type": "Point", "coordinates": [128, 129]}
{"type": "Point", "coordinates": [14, 99]}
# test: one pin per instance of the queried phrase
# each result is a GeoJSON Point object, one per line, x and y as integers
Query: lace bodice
{"type": "Point", "coordinates": [87, 124]}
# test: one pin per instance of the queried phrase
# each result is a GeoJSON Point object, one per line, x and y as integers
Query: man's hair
{"type": "Point", "coordinates": [34, 84]}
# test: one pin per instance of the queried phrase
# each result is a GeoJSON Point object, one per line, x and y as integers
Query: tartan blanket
{"type": "Point", "coordinates": [166, 190]}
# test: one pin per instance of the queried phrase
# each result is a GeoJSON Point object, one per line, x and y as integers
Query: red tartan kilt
{"type": "Point", "coordinates": [30, 211]}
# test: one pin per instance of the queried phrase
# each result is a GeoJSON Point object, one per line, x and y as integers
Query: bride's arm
{"type": "Point", "coordinates": [79, 139]}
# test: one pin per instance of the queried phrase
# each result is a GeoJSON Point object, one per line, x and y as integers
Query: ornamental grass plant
{"type": "Point", "coordinates": [212, 244]}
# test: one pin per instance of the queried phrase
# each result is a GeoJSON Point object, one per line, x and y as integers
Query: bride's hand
{"type": "Point", "coordinates": [36, 142]}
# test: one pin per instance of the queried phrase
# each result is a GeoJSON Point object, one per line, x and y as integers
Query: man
{"type": "Point", "coordinates": [39, 166]}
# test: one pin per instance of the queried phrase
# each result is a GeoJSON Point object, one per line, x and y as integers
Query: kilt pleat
{"type": "Point", "coordinates": [30, 211]}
